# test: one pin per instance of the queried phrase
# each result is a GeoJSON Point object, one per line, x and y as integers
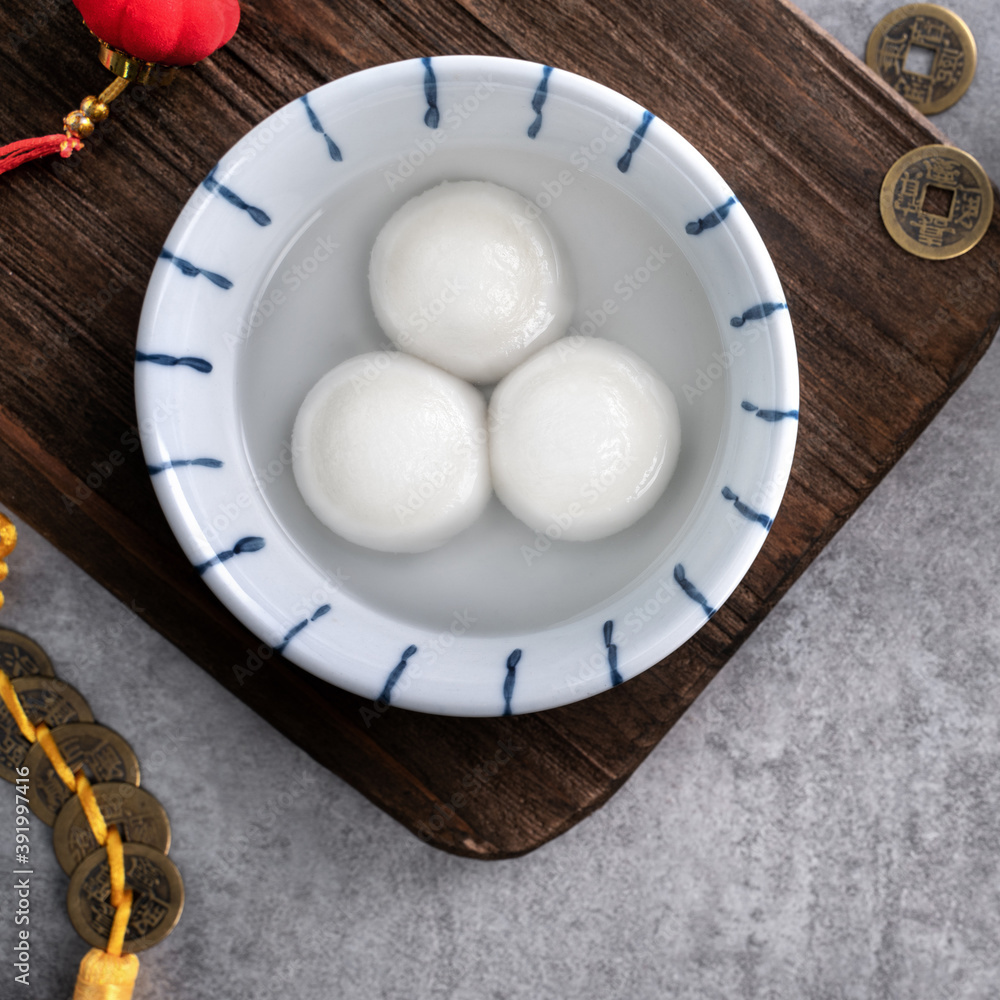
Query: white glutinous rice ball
{"type": "Point", "coordinates": [583, 439]}
{"type": "Point", "coordinates": [390, 452]}
{"type": "Point", "coordinates": [464, 276]}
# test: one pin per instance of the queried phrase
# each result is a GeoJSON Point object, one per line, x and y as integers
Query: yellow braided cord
{"type": "Point", "coordinates": [55, 756]}
{"type": "Point", "coordinates": [8, 540]}
{"type": "Point", "coordinates": [103, 975]}
{"type": "Point", "coordinates": [116, 865]}
{"type": "Point", "coordinates": [13, 703]}
{"type": "Point", "coordinates": [91, 809]}
{"type": "Point", "coordinates": [112, 90]}
{"type": "Point", "coordinates": [120, 924]}
{"type": "Point", "coordinates": [106, 977]}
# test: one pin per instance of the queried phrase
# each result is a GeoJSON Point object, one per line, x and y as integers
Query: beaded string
{"type": "Point", "coordinates": [77, 125]}
{"type": "Point", "coordinates": [173, 33]}
{"type": "Point", "coordinates": [107, 974]}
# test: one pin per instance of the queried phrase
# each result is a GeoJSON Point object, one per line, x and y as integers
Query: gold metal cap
{"type": "Point", "coordinates": [132, 69]}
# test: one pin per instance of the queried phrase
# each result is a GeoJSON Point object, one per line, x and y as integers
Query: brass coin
{"type": "Point", "coordinates": [44, 699]}
{"type": "Point", "coordinates": [139, 817]}
{"type": "Point", "coordinates": [941, 37]}
{"type": "Point", "coordinates": [157, 897]}
{"type": "Point", "coordinates": [101, 752]}
{"type": "Point", "coordinates": [936, 202]}
{"type": "Point", "coordinates": [22, 657]}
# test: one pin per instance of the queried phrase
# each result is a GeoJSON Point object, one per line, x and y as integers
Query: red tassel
{"type": "Point", "coordinates": [25, 150]}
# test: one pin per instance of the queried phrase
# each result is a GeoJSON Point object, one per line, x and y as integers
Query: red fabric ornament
{"type": "Point", "coordinates": [171, 32]}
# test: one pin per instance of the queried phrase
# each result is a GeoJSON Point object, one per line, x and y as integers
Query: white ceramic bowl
{"type": "Point", "coordinates": [262, 287]}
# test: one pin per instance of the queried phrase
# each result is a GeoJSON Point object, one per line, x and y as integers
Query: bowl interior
{"type": "Point", "coordinates": [497, 568]}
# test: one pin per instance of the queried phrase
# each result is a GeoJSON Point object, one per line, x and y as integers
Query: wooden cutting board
{"type": "Point", "coordinates": [800, 129]}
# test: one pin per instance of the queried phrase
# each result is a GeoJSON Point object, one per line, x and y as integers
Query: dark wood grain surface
{"type": "Point", "coordinates": [800, 129]}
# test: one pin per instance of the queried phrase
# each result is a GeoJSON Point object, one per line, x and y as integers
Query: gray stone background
{"type": "Point", "coordinates": [823, 823]}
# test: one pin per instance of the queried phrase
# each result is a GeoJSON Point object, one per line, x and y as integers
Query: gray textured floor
{"type": "Point", "coordinates": [824, 822]}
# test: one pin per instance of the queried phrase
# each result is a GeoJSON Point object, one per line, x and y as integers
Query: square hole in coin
{"type": "Point", "coordinates": [919, 60]}
{"type": "Point", "coordinates": [937, 201]}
